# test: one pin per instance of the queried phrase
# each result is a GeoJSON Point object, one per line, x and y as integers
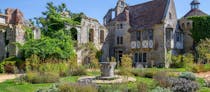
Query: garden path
{"type": "Point", "coordinates": [205, 75]}
{"type": "Point", "coordinates": [4, 77]}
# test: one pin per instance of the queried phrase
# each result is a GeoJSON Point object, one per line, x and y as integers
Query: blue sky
{"type": "Point", "coordinates": [93, 8]}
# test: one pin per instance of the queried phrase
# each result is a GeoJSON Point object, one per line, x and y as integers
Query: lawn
{"type": "Point", "coordinates": [11, 86]}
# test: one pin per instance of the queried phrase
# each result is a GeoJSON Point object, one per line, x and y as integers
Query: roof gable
{"type": "Point", "coordinates": [146, 15]}
{"type": "Point", "coordinates": [195, 12]}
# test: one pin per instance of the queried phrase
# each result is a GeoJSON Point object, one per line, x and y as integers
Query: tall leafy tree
{"type": "Point", "coordinates": [56, 41]}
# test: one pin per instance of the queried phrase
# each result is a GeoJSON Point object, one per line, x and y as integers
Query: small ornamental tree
{"type": "Point", "coordinates": [126, 65]}
{"type": "Point", "coordinates": [203, 50]}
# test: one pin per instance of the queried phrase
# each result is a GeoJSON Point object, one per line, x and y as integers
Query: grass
{"type": "Point", "coordinates": [72, 79]}
{"type": "Point", "coordinates": [11, 86]}
{"type": "Point", "coordinates": [204, 89]}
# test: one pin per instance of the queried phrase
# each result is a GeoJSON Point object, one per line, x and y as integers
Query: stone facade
{"type": "Point", "coordinates": [89, 31]}
{"type": "Point", "coordinates": [11, 32]}
{"type": "Point", "coordinates": [185, 25]}
{"type": "Point", "coordinates": [149, 32]}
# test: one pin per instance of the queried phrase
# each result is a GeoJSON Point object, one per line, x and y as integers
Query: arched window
{"type": "Point", "coordinates": [91, 35]}
{"type": "Point", "coordinates": [101, 36]}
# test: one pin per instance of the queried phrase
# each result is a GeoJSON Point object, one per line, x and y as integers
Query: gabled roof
{"type": "Point", "coordinates": [146, 15]}
{"type": "Point", "coordinates": [195, 12]}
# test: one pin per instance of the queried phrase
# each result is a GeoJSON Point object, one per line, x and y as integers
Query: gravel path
{"type": "Point", "coordinates": [205, 75]}
{"type": "Point", "coordinates": [4, 77]}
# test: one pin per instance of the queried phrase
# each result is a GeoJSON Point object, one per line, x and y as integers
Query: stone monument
{"type": "Point", "coordinates": [107, 70]}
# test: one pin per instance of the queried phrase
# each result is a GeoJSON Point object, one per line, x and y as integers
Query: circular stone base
{"type": "Point", "coordinates": [116, 79]}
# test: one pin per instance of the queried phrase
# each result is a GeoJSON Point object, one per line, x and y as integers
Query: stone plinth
{"type": "Point", "coordinates": [107, 69]}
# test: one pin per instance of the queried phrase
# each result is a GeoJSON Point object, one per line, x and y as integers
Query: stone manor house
{"type": "Point", "coordinates": [149, 32]}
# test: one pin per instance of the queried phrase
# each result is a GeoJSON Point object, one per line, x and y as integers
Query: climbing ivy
{"type": "Point", "coordinates": [201, 27]}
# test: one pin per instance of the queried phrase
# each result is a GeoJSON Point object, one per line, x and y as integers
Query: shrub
{"type": "Point", "coordinates": [115, 88]}
{"type": "Point", "coordinates": [38, 77]}
{"type": "Point", "coordinates": [77, 71]}
{"type": "Point", "coordinates": [202, 82]}
{"type": "Point", "coordinates": [160, 89]}
{"type": "Point", "coordinates": [142, 87]}
{"type": "Point", "coordinates": [70, 87]}
{"type": "Point", "coordinates": [148, 73]}
{"type": "Point", "coordinates": [126, 66]}
{"type": "Point", "coordinates": [187, 75]}
{"type": "Point", "coordinates": [182, 85]}
{"type": "Point", "coordinates": [12, 65]}
{"type": "Point", "coordinates": [196, 68]}
{"type": "Point", "coordinates": [177, 61]}
{"type": "Point", "coordinates": [161, 77]}
{"type": "Point", "coordinates": [203, 50]}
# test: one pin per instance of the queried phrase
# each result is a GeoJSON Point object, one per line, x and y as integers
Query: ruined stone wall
{"type": "Point", "coordinates": [2, 44]}
{"type": "Point", "coordinates": [88, 25]}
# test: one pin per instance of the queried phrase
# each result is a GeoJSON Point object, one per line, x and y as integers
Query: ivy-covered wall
{"type": "Point", "coordinates": [201, 27]}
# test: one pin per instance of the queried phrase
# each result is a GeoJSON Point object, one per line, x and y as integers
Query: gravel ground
{"type": "Point", "coordinates": [4, 77]}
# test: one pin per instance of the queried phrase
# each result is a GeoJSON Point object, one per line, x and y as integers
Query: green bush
{"type": "Point", "coordinates": [187, 75]}
{"type": "Point", "coordinates": [202, 82]}
{"type": "Point", "coordinates": [148, 73]}
{"type": "Point", "coordinates": [69, 87]}
{"type": "Point", "coordinates": [177, 61]}
{"type": "Point", "coordinates": [160, 89]}
{"type": "Point", "coordinates": [77, 71]}
{"type": "Point", "coordinates": [196, 68]}
{"type": "Point", "coordinates": [12, 65]}
{"type": "Point", "coordinates": [142, 87]}
{"type": "Point", "coordinates": [38, 77]}
{"type": "Point", "coordinates": [126, 65]}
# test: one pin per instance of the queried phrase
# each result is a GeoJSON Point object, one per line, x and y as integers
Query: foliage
{"type": "Point", "coordinates": [77, 71]}
{"type": "Point", "coordinates": [12, 65]}
{"type": "Point", "coordinates": [126, 65]}
{"type": "Point", "coordinates": [187, 75]}
{"type": "Point", "coordinates": [160, 89]}
{"type": "Point", "coordinates": [177, 61]}
{"type": "Point", "coordinates": [148, 73]}
{"type": "Point", "coordinates": [168, 59]}
{"type": "Point", "coordinates": [11, 86]}
{"type": "Point", "coordinates": [142, 87]}
{"type": "Point", "coordinates": [160, 77]}
{"type": "Point", "coordinates": [182, 85]}
{"type": "Point", "coordinates": [70, 87]}
{"type": "Point", "coordinates": [201, 27]}
{"type": "Point", "coordinates": [203, 50]}
{"type": "Point", "coordinates": [196, 68]}
{"type": "Point", "coordinates": [49, 47]}
{"type": "Point", "coordinates": [56, 41]}
{"type": "Point", "coordinates": [56, 18]}
{"type": "Point", "coordinates": [126, 62]}
{"type": "Point", "coordinates": [92, 59]}
{"type": "Point", "coordinates": [183, 61]}
{"type": "Point", "coordinates": [202, 82]}
{"type": "Point", "coordinates": [28, 33]}
{"type": "Point", "coordinates": [41, 77]}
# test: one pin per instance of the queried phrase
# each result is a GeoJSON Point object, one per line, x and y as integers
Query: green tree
{"type": "Point", "coordinates": [203, 50]}
{"type": "Point", "coordinates": [56, 41]}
